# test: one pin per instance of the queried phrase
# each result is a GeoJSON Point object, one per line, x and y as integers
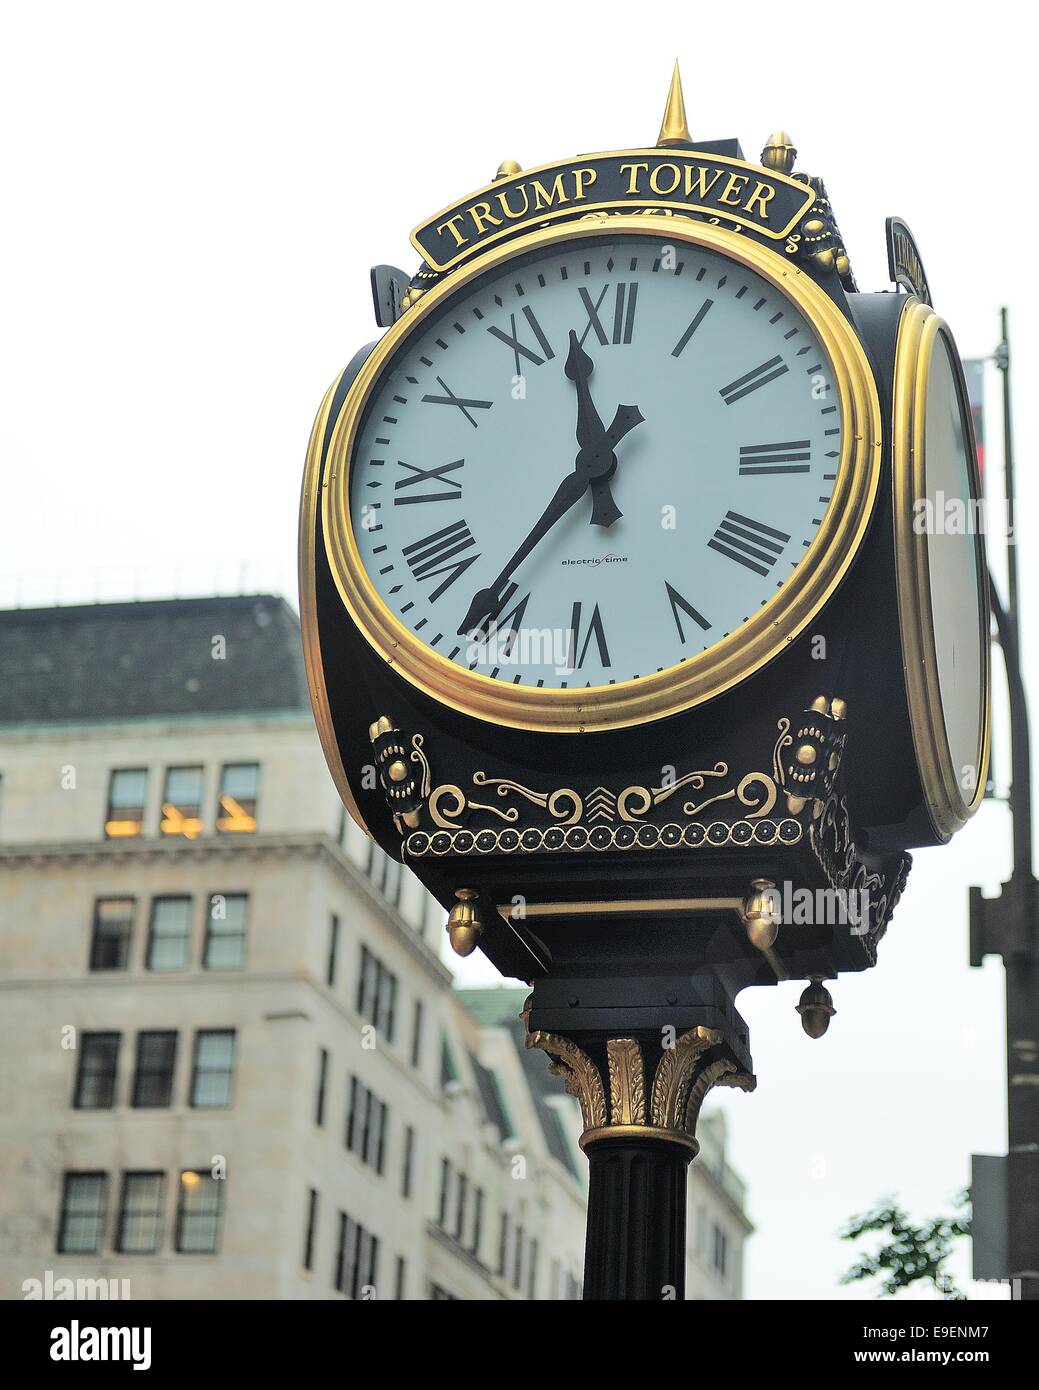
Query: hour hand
{"type": "Point", "coordinates": [604, 509]}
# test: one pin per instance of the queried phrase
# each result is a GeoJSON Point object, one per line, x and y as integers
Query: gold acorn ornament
{"type": "Point", "coordinates": [761, 914]}
{"type": "Point", "coordinates": [465, 922]}
{"type": "Point", "coordinates": [816, 1007]}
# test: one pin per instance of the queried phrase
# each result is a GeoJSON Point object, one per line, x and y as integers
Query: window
{"type": "Point", "coordinates": [182, 802]}
{"type": "Point", "coordinates": [213, 1070]}
{"type": "Point", "coordinates": [532, 1270]}
{"type": "Point", "coordinates": [236, 804]}
{"type": "Point", "coordinates": [168, 934]}
{"type": "Point", "coordinates": [322, 1079]}
{"type": "Point", "coordinates": [225, 932]}
{"type": "Point", "coordinates": [391, 882]}
{"type": "Point", "coordinates": [140, 1213]}
{"type": "Point", "coordinates": [198, 1213]}
{"type": "Point", "coordinates": [376, 993]}
{"type": "Point", "coordinates": [463, 1196]}
{"type": "Point", "coordinates": [517, 1260]}
{"type": "Point", "coordinates": [503, 1243]}
{"type": "Point", "coordinates": [153, 1082]}
{"type": "Point", "coordinates": [83, 1200]}
{"type": "Point", "coordinates": [110, 940]}
{"type": "Point", "coordinates": [95, 1077]}
{"type": "Point", "coordinates": [333, 950]}
{"type": "Point", "coordinates": [365, 1125]}
{"type": "Point", "coordinates": [720, 1251]}
{"type": "Point", "coordinates": [408, 1165]}
{"type": "Point", "coordinates": [308, 1239]}
{"type": "Point", "coordinates": [127, 790]}
{"type": "Point", "coordinates": [416, 1033]}
{"type": "Point", "coordinates": [357, 1256]}
{"type": "Point", "coordinates": [402, 1274]}
{"type": "Point", "coordinates": [477, 1222]}
{"type": "Point", "coordinates": [445, 1187]}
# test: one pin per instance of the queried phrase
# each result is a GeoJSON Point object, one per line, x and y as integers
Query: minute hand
{"type": "Point", "coordinates": [485, 601]}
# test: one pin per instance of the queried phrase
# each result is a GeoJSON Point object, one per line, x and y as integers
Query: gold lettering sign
{"type": "Point", "coordinates": [730, 190]}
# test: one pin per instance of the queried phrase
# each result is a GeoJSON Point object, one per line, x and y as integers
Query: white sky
{"type": "Point", "coordinates": [193, 197]}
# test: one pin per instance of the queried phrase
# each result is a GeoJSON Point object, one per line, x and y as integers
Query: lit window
{"type": "Point", "coordinates": [153, 1081]}
{"type": "Point", "coordinates": [95, 1078]}
{"type": "Point", "coordinates": [213, 1070]}
{"type": "Point", "coordinates": [236, 805]}
{"type": "Point", "coordinates": [110, 941]}
{"type": "Point", "coordinates": [198, 1213]}
{"type": "Point", "coordinates": [140, 1214]}
{"type": "Point", "coordinates": [126, 795]}
{"type": "Point", "coordinates": [82, 1219]}
{"type": "Point", "coordinates": [225, 932]}
{"type": "Point", "coordinates": [168, 934]}
{"type": "Point", "coordinates": [182, 802]}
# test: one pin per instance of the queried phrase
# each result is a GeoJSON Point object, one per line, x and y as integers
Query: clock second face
{"type": "Point", "coordinates": [595, 462]}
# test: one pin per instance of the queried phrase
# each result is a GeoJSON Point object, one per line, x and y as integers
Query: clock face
{"type": "Point", "coordinates": [941, 569]}
{"type": "Point", "coordinates": [955, 568]}
{"type": "Point", "coordinates": [595, 461]}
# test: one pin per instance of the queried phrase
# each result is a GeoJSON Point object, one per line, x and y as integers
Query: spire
{"type": "Point", "coordinates": [673, 128]}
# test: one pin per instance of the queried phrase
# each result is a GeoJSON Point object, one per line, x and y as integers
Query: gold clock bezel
{"type": "Point", "coordinates": [728, 661]}
{"type": "Point", "coordinates": [915, 346]}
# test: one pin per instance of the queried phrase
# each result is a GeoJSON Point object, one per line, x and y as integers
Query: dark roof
{"type": "Point", "coordinates": [115, 661]}
{"type": "Point", "coordinates": [493, 1101]}
{"type": "Point", "coordinates": [499, 1008]}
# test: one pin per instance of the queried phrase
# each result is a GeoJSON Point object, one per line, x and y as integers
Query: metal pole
{"type": "Point", "coordinates": [1003, 363]}
{"type": "Point", "coordinates": [1007, 924]}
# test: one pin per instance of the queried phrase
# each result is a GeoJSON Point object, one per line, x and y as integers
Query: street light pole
{"type": "Point", "coordinates": [1006, 925]}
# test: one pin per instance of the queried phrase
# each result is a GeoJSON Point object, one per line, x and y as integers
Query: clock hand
{"type": "Point", "coordinates": [593, 435]}
{"type": "Point", "coordinates": [604, 510]}
{"type": "Point", "coordinates": [594, 466]}
{"type": "Point", "coordinates": [486, 602]}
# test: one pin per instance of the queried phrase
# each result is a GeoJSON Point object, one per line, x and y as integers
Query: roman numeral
{"type": "Point", "coordinates": [792, 457]}
{"type": "Point", "coordinates": [425, 475]}
{"type": "Point", "coordinates": [698, 318]}
{"type": "Point", "coordinates": [462, 402]}
{"type": "Point", "coordinates": [433, 555]}
{"type": "Point", "coordinates": [624, 299]}
{"type": "Point", "coordinates": [677, 602]}
{"type": "Point", "coordinates": [520, 349]}
{"type": "Point", "coordinates": [751, 543]}
{"type": "Point", "coordinates": [595, 629]}
{"type": "Point", "coordinates": [760, 376]}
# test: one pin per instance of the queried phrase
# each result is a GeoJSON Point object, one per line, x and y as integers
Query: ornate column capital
{"type": "Point", "coordinates": [640, 1087]}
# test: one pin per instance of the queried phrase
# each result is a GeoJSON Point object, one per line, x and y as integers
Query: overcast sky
{"type": "Point", "coordinates": [193, 197]}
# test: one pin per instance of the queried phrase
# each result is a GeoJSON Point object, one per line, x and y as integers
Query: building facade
{"type": "Point", "coordinates": [232, 1060]}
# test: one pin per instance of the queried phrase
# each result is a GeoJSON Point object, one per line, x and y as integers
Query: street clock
{"type": "Point", "coordinates": [618, 607]}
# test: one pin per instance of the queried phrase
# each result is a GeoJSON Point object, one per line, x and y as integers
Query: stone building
{"type": "Point", "coordinates": [232, 1060]}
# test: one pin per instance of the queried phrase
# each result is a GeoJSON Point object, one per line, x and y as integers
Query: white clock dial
{"type": "Point", "coordinates": [485, 459]}
{"type": "Point", "coordinates": [955, 568]}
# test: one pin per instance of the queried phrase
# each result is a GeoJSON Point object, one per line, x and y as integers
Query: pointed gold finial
{"type": "Point", "coordinates": [673, 128]}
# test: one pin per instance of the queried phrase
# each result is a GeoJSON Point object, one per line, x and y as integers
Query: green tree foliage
{"type": "Point", "coordinates": [910, 1252]}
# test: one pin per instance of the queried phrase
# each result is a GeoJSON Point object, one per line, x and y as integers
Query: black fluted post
{"type": "Point", "coordinates": [636, 1241]}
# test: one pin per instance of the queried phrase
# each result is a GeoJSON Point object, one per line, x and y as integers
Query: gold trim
{"type": "Point", "coordinates": [308, 518]}
{"type": "Point", "coordinates": [640, 1132]}
{"type": "Point", "coordinates": [918, 332]}
{"type": "Point", "coordinates": [730, 660]}
{"type": "Point", "coordinates": [619, 906]}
